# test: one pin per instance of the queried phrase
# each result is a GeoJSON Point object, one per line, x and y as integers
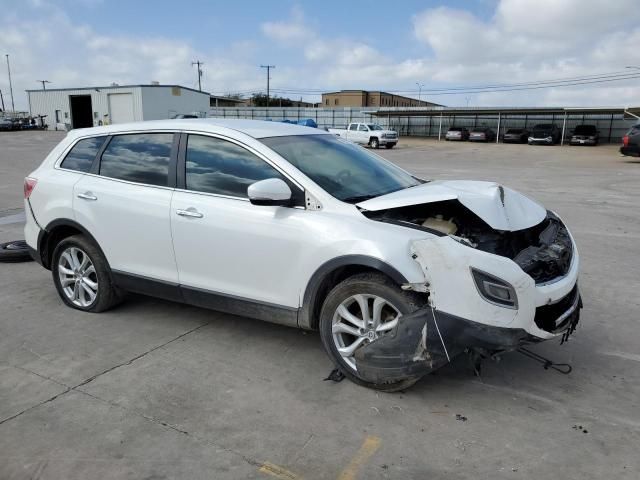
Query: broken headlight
{"type": "Point", "coordinates": [494, 290]}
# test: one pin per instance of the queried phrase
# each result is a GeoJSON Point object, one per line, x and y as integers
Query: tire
{"type": "Point", "coordinates": [374, 143]}
{"type": "Point", "coordinates": [367, 284]}
{"type": "Point", "coordinates": [389, 146]}
{"type": "Point", "coordinates": [14, 252]}
{"type": "Point", "coordinates": [69, 253]}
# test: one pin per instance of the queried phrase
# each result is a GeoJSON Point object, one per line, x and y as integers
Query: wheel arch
{"type": "Point", "coordinates": [56, 231]}
{"type": "Point", "coordinates": [333, 272]}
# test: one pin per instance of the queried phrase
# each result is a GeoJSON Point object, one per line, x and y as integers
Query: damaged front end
{"type": "Point", "coordinates": [500, 272]}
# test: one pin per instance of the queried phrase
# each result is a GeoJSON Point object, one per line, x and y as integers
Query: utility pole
{"type": "Point", "coordinates": [268, 67]}
{"type": "Point", "coordinates": [13, 107]}
{"type": "Point", "coordinates": [2, 100]}
{"type": "Point", "coordinates": [198, 63]}
{"type": "Point", "coordinates": [43, 83]}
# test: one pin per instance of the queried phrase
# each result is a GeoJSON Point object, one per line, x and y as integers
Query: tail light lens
{"type": "Point", "coordinates": [625, 141]}
{"type": "Point", "coordinates": [29, 185]}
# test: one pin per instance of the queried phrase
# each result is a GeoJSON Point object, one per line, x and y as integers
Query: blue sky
{"type": "Point", "coordinates": [329, 45]}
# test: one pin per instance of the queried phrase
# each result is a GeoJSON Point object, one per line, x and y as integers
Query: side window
{"type": "Point", "coordinates": [363, 128]}
{"type": "Point", "coordinates": [139, 157]}
{"type": "Point", "coordinates": [353, 126]}
{"type": "Point", "coordinates": [217, 166]}
{"type": "Point", "coordinates": [81, 156]}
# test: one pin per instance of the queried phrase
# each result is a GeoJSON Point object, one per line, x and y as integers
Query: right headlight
{"type": "Point", "coordinates": [494, 290]}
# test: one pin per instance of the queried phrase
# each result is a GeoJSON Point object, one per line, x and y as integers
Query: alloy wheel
{"type": "Point", "coordinates": [361, 319]}
{"type": "Point", "coordinates": [78, 277]}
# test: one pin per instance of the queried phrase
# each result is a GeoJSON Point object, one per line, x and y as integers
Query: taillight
{"type": "Point", "coordinates": [625, 141]}
{"type": "Point", "coordinates": [29, 185]}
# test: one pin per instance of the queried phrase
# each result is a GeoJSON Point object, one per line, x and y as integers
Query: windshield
{"type": "Point", "coordinates": [346, 171]}
{"type": "Point", "coordinates": [585, 130]}
{"type": "Point", "coordinates": [514, 130]}
{"type": "Point", "coordinates": [374, 127]}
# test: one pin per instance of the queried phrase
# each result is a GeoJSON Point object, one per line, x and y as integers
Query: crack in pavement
{"type": "Point", "coordinates": [69, 388]}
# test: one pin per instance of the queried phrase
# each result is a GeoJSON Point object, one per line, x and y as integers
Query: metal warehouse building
{"type": "Point", "coordinates": [93, 106]}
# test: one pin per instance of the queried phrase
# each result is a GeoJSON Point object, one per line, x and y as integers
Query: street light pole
{"type": "Point", "coordinates": [2, 100]}
{"type": "Point", "coordinates": [13, 107]}
{"type": "Point", "coordinates": [420, 85]}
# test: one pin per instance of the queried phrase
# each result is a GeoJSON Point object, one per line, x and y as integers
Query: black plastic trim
{"type": "Point", "coordinates": [44, 234]}
{"type": "Point", "coordinates": [95, 166]}
{"type": "Point", "coordinates": [147, 286]}
{"type": "Point", "coordinates": [305, 319]}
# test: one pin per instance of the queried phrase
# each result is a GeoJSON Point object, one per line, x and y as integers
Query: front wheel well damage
{"type": "Point", "coordinates": [330, 275]}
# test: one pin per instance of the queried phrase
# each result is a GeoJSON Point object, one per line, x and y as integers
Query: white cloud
{"type": "Point", "coordinates": [289, 31]}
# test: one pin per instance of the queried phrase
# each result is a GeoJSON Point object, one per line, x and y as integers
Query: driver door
{"type": "Point", "coordinates": [227, 249]}
{"type": "Point", "coordinates": [363, 134]}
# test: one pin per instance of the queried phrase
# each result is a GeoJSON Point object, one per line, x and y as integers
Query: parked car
{"type": "Point", "coordinates": [457, 134]}
{"type": "Point", "coordinates": [296, 226]}
{"type": "Point", "coordinates": [482, 134]}
{"type": "Point", "coordinates": [545, 133]}
{"type": "Point", "coordinates": [368, 134]}
{"type": "Point", "coordinates": [6, 125]}
{"type": "Point", "coordinates": [585, 135]}
{"type": "Point", "coordinates": [516, 135]}
{"type": "Point", "coordinates": [631, 142]}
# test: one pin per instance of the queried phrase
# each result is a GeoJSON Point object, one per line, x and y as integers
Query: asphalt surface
{"type": "Point", "coordinates": [156, 390]}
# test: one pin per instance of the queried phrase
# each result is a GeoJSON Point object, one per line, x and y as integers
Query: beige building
{"type": "Point", "coordinates": [364, 98]}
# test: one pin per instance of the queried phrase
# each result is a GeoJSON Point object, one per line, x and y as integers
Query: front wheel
{"type": "Point", "coordinates": [81, 275]}
{"type": "Point", "coordinates": [358, 311]}
{"type": "Point", "coordinates": [374, 143]}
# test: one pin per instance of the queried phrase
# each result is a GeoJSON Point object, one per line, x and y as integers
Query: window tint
{"type": "Point", "coordinates": [81, 156]}
{"type": "Point", "coordinates": [140, 157]}
{"type": "Point", "coordinates": [362, 128]}
{"type": "Point", "coordinates": [353, 126]}
{"type": "Point", "coordinates": [224, 168]}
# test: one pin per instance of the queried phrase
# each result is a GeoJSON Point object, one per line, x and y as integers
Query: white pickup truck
{"type": "Point", "coordinates": [367, 134]}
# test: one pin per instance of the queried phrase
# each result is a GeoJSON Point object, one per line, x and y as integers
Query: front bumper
{"type": "Point", "coordinates": [388, 141]}
{"type": "Point", "coordinates": [540, 141]}
{"type": "Point", "coordinates": [429, 339]}
{"type": "Point", "coordinates": [583, 141]}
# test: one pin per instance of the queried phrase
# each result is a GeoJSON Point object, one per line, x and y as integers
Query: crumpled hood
{"type": "Point", "coordinates": [500, 207]}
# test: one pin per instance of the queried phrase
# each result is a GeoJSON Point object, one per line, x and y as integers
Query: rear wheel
{"type": "Point", "coordinates": [358, 311]}
{"type": "Point", "coordinates": [374, 143]}
{"type": "Point", "coordinates": [81, 276]}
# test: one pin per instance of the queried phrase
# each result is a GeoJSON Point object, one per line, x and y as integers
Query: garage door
{"type": "Point", "coordinates": [121, 107]}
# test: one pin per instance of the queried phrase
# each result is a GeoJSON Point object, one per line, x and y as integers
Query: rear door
{"type": "Point", "coordinates": [124, 203]}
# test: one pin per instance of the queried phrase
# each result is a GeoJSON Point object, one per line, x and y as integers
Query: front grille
{"type": "Point", "coordinates": [551, 258]}
{"type": "Point", "coordinates": [547, 315]}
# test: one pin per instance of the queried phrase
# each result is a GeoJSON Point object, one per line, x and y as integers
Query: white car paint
{"type": "Point", "coordinates": [269, 254]}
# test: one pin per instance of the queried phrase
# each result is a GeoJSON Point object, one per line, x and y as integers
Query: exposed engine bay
{"type": "Point", "coordinates": [543, 251]}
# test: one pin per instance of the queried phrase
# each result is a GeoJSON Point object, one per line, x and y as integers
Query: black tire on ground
{"type": "Point", "coordinates": [108, 294]}
{"type": "Point", "coordinates": [374, 143]}
{"type": "Point", "coordinates": [13, 252]}
{"type": "Point", "coordinates": [389, 145]}
{"type": "Point", "coordinates": [365, 283]}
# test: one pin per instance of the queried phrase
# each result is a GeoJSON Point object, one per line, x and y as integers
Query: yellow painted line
{"type": "Point", "coordinates": [278, 472]}
{"type": "Point", "coordinates": [368, 448]}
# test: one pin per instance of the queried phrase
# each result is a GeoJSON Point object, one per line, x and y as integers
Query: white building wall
{"type": "Point", "coordinates": [160, 102]}
{"type": "Point", "coordinates": [46, 102]}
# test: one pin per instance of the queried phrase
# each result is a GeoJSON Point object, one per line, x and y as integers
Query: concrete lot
{"type": "Point", "coordinates": [156, 390]}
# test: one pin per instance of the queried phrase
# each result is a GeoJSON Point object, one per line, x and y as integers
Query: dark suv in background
{"type": "Point", "coordinates": [585, 135]}
{"type": "Point", "coordinates": [545, 134]}
{"type": "Point", "coordinates": [516, 135]}
{"type": "Point", "coordinates": [631, 142]}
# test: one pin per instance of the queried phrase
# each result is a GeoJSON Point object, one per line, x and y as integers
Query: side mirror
{"type": "Point", "coordinates": [272, 191]}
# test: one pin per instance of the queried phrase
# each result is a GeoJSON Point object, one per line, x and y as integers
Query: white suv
{"type": "Point", "coordinates": [295, 226]}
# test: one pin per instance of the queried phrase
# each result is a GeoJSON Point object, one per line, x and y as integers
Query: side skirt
{"type": "Point", "coordinates": [221, 302]}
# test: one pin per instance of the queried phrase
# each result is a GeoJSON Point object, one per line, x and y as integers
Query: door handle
{"type": "Point", "coordinates": [87, 196]}
{"type": "Point", "coordinates": [190, 212]}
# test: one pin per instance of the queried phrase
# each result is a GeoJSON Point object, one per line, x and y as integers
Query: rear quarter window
{"type": "Point", "coordinates": [81, 156]}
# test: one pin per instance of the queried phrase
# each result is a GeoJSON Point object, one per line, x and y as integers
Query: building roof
{"type": "Point", "coordinates": [253, 128]}
{"type": "Point", "coordinates": [437, 110]}
{"type": "Point", "coordinates": [116, 86]}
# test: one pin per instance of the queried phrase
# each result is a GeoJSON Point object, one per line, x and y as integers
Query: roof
{"type": "Point", "coordinates": [253, 128]}
{"type": "Point", "coordinates": [115, 86]}
{"type": "Point", "coordinates": [438, 110]}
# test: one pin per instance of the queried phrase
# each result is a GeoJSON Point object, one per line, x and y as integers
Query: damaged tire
{"type": "Point", "coordinates": [357, 312]}
{"type": "Point", "coordinates": [16, 251]}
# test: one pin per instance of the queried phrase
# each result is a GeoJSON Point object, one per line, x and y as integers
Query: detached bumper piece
{"type": "Point", "coordinates": [427, 340]}
{"type": "Point", "coordinates": [562, 316]}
